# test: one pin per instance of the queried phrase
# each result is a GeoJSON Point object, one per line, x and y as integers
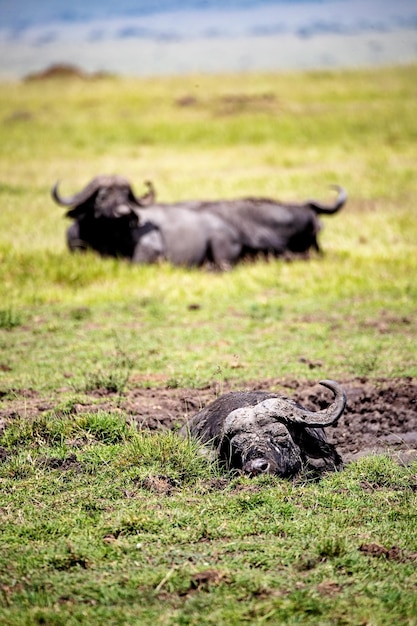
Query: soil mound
{"type": "Point", "coordinates": [63, 70]}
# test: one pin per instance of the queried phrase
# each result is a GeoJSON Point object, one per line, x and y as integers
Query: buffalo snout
{"type": "Point", "coordinates": [256, 467]}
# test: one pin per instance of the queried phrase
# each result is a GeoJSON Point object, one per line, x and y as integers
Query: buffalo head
{"type": "Point", "coordinates": [107, 196]}
{"type": "Point", "coordinates": [105, 215]}
{"type": "Point", "coordinates": [258, 432]}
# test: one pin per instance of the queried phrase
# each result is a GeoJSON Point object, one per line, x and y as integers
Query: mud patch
{"type": "Point", "coordinates": [391, 554]}
{"type": "Point", "coordinates": [232, 103]}
{"type": "Point", "coordinates": [329, 588]}
{"type": "Point", "coordinates": [381, 414]}
{"type": "Point", "coordinates": [204, 580]}
{"type": "Point", "coordinates": [68, 463]}
{"type": "Point", "coordinates": [161, 485]}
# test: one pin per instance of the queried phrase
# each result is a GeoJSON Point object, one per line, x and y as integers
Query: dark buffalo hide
{"type": "Point", "coordinates": [260, 432]}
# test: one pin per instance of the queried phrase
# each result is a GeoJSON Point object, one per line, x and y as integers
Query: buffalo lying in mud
{"type": "Point", "coordinates": [111, 220]}
{"type": "Point", "coordinates": [258, 432]}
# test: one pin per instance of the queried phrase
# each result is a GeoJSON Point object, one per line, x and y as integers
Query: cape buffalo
{"type": "Point", "coordinates": [104, 215]}
{"type": "Point", "coordinates": [186, 237]}
{"type": "Point", "coordinates": [263, 226]}
{"type": "Point", "coordinates": [258, 432]}
{"type": "Point", "coordinates": [272, 227]}
{"type": "Point", "coordinates": [111, 220]}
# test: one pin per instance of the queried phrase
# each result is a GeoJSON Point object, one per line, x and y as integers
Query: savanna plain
{"type": "Point", "coordinates": [106, 515]}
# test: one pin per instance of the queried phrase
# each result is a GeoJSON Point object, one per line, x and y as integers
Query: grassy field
{"type": "Point", "coordinates": [104, 524]}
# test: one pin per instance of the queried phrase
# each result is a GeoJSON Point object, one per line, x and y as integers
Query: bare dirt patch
{"type": "Point", "coordinates": [381, 414]}
{"type": "Point", "coordinates": [391, 554]}
{"type": "Point", "coordinates": [232, 103]}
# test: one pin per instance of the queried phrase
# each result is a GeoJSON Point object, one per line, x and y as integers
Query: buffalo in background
{"type": "Point", "coordinates": [110, 219]}
{"type": "Point", "coordinates": [258, 432]}
{"type": "Point", "coordinates": [272, 227]}
{"type": "Point", "coordinates": [104, 215]}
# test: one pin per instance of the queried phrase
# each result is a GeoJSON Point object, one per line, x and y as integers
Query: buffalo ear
{"type": "Point", "coordinates": [81, 210]}
{"type": "Point", "coordinates": [78, 211]}
{"type": "Point", "coordinates": [313, 442]}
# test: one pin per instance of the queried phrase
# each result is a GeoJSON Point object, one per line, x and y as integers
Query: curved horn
{"type": "Point", "coordinates": [78, 198]}
{"type": "Point", "coordinates": [81, 196]}
{"type": "Point", "coordinates": [93, 186]}
{"type": "Point", "coordinates": [289, 412]}
{"type": "Point", "coordinates": [323, 208]}
{"type": "Point", "coordinates": [148, 198]}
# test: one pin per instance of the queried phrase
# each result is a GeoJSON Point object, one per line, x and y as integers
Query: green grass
{"type": "Point", "coordinates": [257, 321]}
{"type": "Point", "coordinates": [128, 528]}
{"type": "Point", "coordinates": [104, 524]}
